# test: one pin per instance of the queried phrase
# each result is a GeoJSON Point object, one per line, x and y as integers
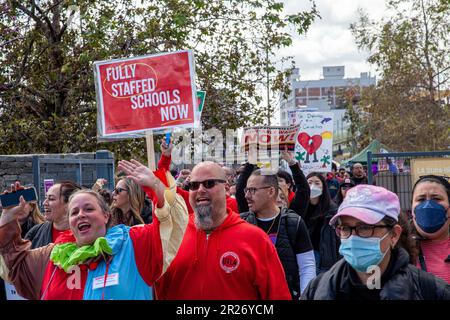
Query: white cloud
{"type": "Point", "coordinates": [329, 40]}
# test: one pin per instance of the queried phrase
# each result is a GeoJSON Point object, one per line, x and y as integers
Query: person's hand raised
{"type": "Point", "coordinates": [166, 149]}
{"type": "Point", "coordinates": [288, 156]}
{"type": "Point", "coordinates": [99, 183]}
{"type": "Point", "coordinates": [9, 214]}
{"type": "Point", "coordinates": [143, 176]}
{"type": "Point", "coordinates": [138, 172]}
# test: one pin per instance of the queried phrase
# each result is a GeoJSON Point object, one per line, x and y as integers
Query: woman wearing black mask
{"type": "Point", "coordinates": [431, 217]}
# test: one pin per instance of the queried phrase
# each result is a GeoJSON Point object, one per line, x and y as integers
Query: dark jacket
{"type": "Point", "coordinates": [40, 235]}
{"type": "Point", "coordinates": [328, 241]}
{"type": "Point", "coordinates": [146, 213]}
{"type": "Point", "coordinates": [298, 204]}
{"type": "Point", "coordinates": [241, 183]}
{"type": "Point", "coordinates": [27, 226]}
{"type": "Point", "coordinates": [286, 237]}
{"type": "Point", "coordinates": [302, 191]}
{"type": "Point", "coordinates": [362, 180]}
{"type": "Point", "coordinates": [2, 290]}
{"type": "Point", "coordinates": [333, 187]}
{"type": "Point", "coordinates": [401, 281]}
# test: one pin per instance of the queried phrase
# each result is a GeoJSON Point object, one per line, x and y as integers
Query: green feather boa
{"type": "Point", "coordinates": [66, 255]}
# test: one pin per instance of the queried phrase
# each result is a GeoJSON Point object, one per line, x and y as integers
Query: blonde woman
{"type": "Point", "coordinates": [128, 202]}
{"type": "Point", "coordinates": [30, 217]}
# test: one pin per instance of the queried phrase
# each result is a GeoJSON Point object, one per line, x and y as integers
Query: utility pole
{"type": "Point", "coordinates": [268, 85]}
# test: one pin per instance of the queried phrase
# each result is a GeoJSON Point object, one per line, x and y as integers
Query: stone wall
{"type": "Point", "coordinates": [20, 167]}
{"type": "Point", "coordinates": [15, 167]}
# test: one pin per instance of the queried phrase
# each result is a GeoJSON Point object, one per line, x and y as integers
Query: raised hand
{"type": "Point", "coordinates": [9, 214]}
{"type": "Point", "coordinates": [166, 149]}
{"type": "Point", "coordinates": [99, 184]}
{"type": "Point", "coordinates": [139, 173]}
{"type": "Point", "coordinates": [143, 176]}
{"type": "Point", "coordinates": [287, 156]}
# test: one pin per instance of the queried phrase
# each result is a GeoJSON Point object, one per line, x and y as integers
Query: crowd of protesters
{"type": "Point", "coordinates": [214, 232]}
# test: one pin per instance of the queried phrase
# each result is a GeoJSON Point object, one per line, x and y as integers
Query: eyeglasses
{"type": "Point", "coordinates": [345, 187]}
{"type": "Point", "coordinates": [253, 190]}
{"type": "Point", "coordinates": [208, 184]}
{"type": "Point", "coordinates": [118, 190]}
{"type": "Point", "coordinates": [363, 230]}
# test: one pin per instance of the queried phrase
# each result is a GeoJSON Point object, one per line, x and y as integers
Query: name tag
{"type": "Point", "coordinates": [111, 280]}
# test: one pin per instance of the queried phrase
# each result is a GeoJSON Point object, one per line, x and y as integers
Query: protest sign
{"type": "Point", "coordinates": [383, 165]}
{"type": "Point", "coordinates": [11, 292]}
{"type": "Point", "coordinates": [267, 137]}
{"type": "Point", "coordinates": [200, 103]}
{"type": "Point", "coordinates": [292, 114]}
{"type": "Point", "coordinates": [48, 183]}
{"type": "Point", "coordinates": [145, 93]}
{"type": "Point", "coordinates": [314, 142]}
{"type": "Point", "coordinates": [427, 166]}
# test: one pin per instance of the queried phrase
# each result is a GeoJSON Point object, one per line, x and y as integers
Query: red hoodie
{"type": "Point", "coordinates": [232, 204]}
{"type": "Point", "coordinates": [163, 167]}
{"type": "Point", "coordinates": [237, 261]}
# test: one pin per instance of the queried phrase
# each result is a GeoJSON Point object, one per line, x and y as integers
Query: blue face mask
{"type": "Point", "coordinates": [361, 253]}
{"type": "Point", "coordinates": [430, 216]}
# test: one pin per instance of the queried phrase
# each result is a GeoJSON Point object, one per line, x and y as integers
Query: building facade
{"type": "Point", "coordinates": [324, 95]}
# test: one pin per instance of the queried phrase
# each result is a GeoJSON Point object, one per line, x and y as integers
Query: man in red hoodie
{"type": "Point", "coordinates": [221, 257]}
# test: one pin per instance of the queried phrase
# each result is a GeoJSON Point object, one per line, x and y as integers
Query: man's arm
{"type": "Point", "coordinates": [240, 186]}
{"type": "Point", "coordinates": [166, 156]}
{"type": "Point", "coordinates": [302, 191]}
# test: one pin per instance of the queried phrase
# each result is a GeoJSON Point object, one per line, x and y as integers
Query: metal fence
{"type": "Point", "coordinates": [82, 171]}
{"type": "Point", "coordinates": [399, 182]}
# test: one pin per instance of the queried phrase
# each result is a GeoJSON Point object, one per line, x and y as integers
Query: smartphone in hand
{"type": "Point", "coordinates": [11, 199]}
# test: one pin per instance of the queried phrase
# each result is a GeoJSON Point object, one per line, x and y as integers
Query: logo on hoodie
{"type": "Point", "coordinates": [229, 261]}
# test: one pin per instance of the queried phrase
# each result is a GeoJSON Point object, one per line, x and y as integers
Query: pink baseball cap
{"type": "Point", "coordinates": [368, 203]}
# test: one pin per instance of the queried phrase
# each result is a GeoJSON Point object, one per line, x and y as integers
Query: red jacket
{"type": "Point", "coordinates": [291, 197]}
{"type": "Point", "coordinates": [232, 204]}
{"type": "Point", "coordinates": [237, 261]}
{"type": "Point", "coordinates": [163, 167]}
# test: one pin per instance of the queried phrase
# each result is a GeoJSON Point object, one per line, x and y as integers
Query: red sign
{"type": "Point", "coordinates": [146, 93]}
{"type": "Point", "coordinates": [266, 137]}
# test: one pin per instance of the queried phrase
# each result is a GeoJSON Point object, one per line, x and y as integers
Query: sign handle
{"type": "Point", "coordinates": [150, 150]}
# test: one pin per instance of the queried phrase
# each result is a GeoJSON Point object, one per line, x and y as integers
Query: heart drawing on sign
{"type": "Point", "coordinates": [310, 144]}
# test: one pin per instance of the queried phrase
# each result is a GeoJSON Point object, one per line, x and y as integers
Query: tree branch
{"type": "Point", "coordinates": [31, 15]}
{"type": "Point", "coordinates": [46, 19]}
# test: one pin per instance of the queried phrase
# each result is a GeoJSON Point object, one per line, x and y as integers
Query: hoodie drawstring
{"type": "Point", "coordinates": [106, 277]}
{"type": "Point", "coordinates": [49, 281]}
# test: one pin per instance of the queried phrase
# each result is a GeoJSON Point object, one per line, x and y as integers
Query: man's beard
{"type": "Point", "coordinates": [204, 217]}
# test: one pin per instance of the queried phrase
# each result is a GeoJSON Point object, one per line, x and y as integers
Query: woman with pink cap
{"type": "Point", "coordinates": [376, 265]}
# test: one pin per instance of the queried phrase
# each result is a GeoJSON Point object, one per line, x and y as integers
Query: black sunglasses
{"type": "Point", "coordinates": [208, 184]}
{"type": "Point", "coordinates": [118, 190]}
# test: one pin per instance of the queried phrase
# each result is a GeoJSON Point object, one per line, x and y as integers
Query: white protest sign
{"type": "Point", "coordinates": [314, 141]}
